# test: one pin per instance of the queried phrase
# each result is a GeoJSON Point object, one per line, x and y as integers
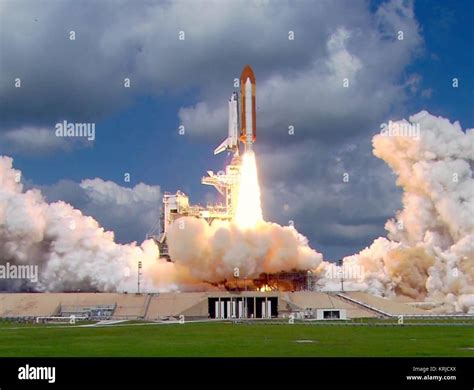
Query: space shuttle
{"type": "Point", "coordinates": [242, 123]}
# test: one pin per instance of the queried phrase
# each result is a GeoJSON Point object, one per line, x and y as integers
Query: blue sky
{"type": "Point", "coordinates": [136, 128]}
{"type": "Point", "coordinates": [448, 33]}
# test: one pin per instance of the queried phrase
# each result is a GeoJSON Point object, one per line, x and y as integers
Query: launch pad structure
{"type": "Point", "coordinates": [177, 205]}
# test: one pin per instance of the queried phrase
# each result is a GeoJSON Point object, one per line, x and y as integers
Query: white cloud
{"type": "Point", "coordinates": [131, 212]}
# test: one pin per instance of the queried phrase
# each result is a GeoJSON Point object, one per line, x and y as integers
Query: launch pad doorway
{"type": "Point", "coordinates": [243, 307]}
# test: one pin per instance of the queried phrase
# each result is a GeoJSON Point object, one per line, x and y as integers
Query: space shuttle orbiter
{"type": "Point", "coordinates": [231, 142]}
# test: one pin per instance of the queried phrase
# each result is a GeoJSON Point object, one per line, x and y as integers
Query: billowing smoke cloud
{"type": "Point", "coordinates": [213, 252]}
{"type": "Point", "coordinates": [429, 252]}
{"type": "Point", "coordinates": [72, 251]}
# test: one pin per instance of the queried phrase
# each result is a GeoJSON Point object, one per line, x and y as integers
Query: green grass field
{"type": "Point", "coordinates": [227, 339]}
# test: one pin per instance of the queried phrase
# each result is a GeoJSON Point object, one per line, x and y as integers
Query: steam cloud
{"type": "Point", "coordinates": [71, 250]}
{"type": "Point", "coordinates": [213, 252]}
{"type": "Point", "coordinates": [427, 255]}
{"type": "Point", "coordinates": [74, 253]}
{"type": "Point", "coordinates": [429, 252]}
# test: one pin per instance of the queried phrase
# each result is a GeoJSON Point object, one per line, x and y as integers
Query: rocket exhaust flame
{"type": "Point", "coordinates": [249, 209]}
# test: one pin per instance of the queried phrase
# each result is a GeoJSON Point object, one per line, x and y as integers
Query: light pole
{"type": "Point", "coordinates": [139, 274]}
{"type": "Point", "coordinates": [341, 264]}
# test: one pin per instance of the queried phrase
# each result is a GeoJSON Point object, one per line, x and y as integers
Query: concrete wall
{"type": "Point", "coordinates": [158, 306]}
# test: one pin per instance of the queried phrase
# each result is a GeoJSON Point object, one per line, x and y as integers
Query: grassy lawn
{"type": "Point", "coordinates": [226, 339]}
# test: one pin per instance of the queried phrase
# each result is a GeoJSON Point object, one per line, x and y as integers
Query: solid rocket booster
{"type": "Point", "coordinates": [248, 131]}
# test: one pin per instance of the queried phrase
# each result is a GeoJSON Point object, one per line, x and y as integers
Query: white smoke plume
{"type": "Point", "coordinates": [429, 252]}
{"type": "Point", "coordinates": [213, 252]}
{"type": "Point", "coordinates": [73, 252]}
